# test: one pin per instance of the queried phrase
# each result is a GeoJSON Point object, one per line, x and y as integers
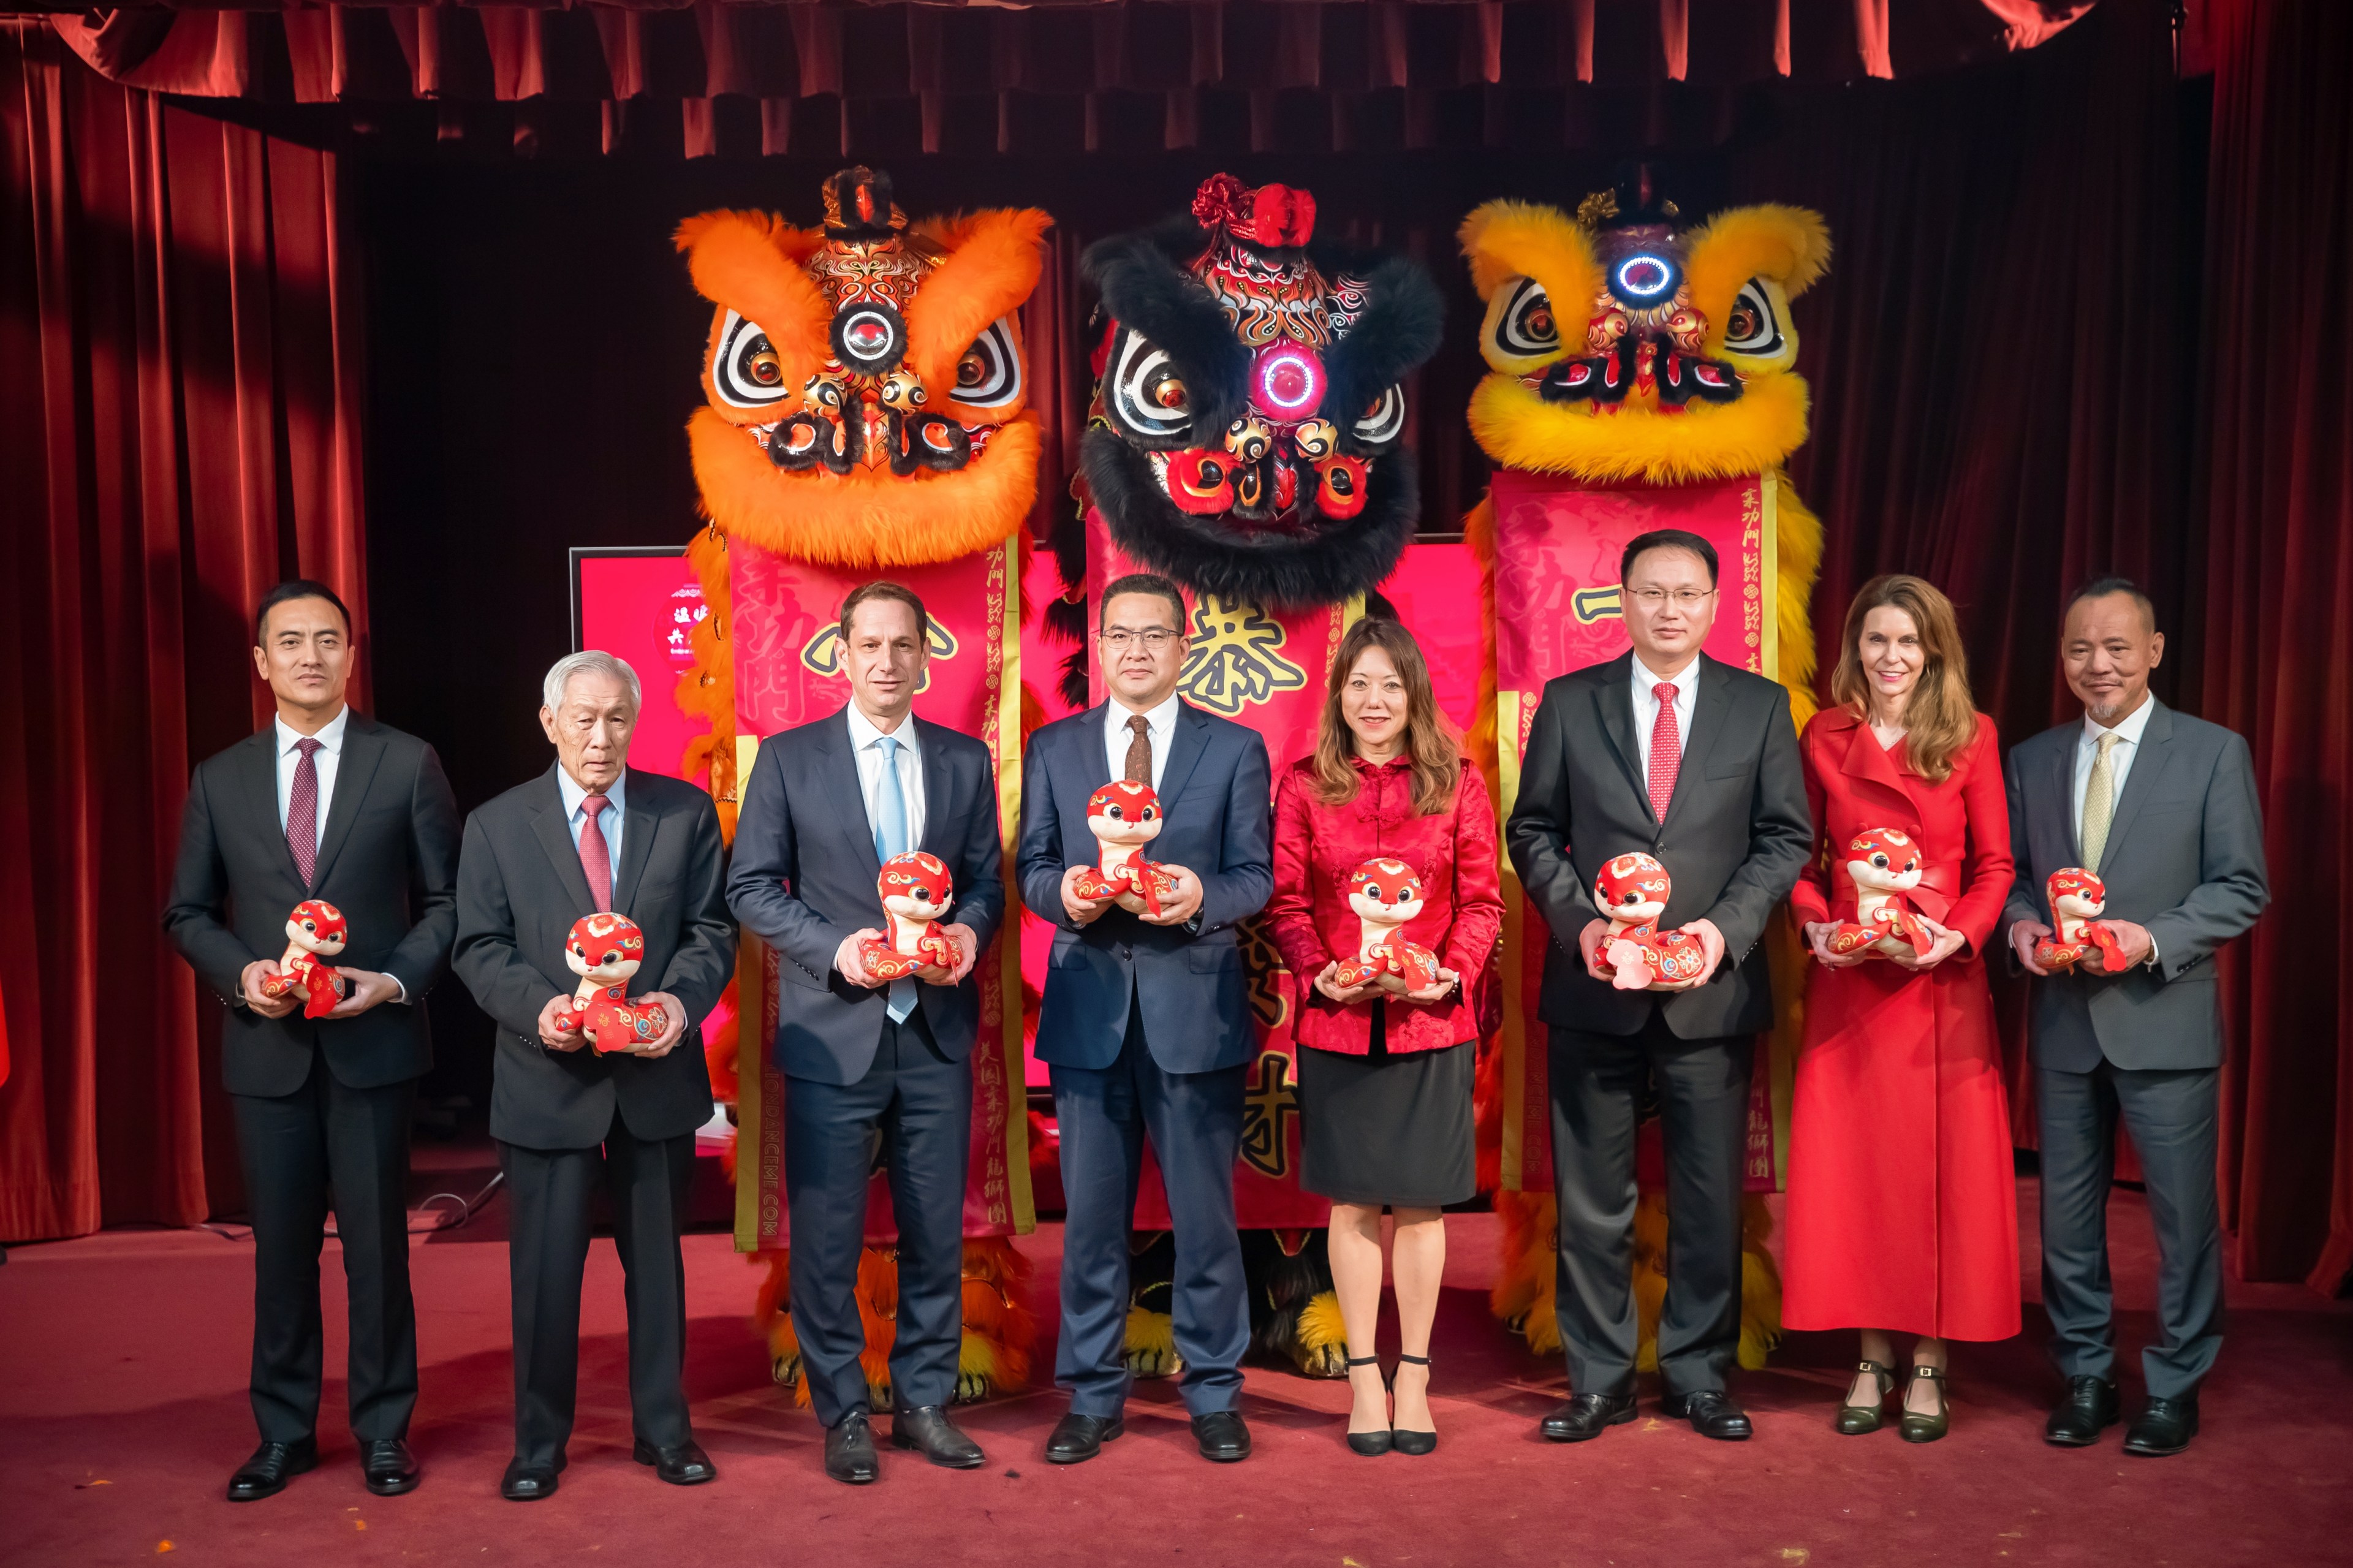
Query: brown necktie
{"type": "Point", "coordinates": [596, 859]}
{"type": "Point", "coordinates": [1139, 750]}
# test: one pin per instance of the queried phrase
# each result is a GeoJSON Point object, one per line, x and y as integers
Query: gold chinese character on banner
{"type": "Point", "coordinates": [1263, 963]}
{"type": "Point", "coordinates": [1234, 657]}
{"type": "Point", "coordinates": [1268, 1111]}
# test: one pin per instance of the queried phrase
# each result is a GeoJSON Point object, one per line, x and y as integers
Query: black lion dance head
{"type": "Point", "coordinates": [1247, 431]}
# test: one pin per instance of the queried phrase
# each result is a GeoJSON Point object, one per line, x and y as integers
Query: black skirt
{"type": "Point", "coordinates": [1389, 1129]}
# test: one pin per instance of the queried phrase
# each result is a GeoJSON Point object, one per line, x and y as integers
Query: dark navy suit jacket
{"type": "Point", "coordinates": [1188, 979]}
{"type": "Point", "coordinates": [803, 879]}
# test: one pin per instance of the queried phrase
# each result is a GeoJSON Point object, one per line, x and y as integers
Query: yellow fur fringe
{"type": "Point", "coordinates": [1788, 245]}
{"type": "Point", "coordinates": [1000, 1331]}
{"type": "Point", "coordinates": [1519, 429]}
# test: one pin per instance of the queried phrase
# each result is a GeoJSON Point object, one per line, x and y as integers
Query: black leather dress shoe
{"type": "Point", "coordinates": [2165, 1426]}
{"type": "Point", "coordinates": [1223, 1435]}
{"type": "Point", "coordinates": [264, 1475]}
{"type": "Point", "coordinates": [1077, 1438]}
{"type": "Point", "coordinates": [685, 1466]}
{"type": "Point", "coordinates": [2089, 1409]}
{"type": "Point", "coordinates": [1586, 1414]}
{"type": "Point", "coordinates": [528, 1483]}
{"type": "Point", "coordinates": [388, 1467]}
{"type": "Point", "coordinates": [928, 1431]}
{"type": "Point", "coordinates": [1711, 1412]}
{"type": "Point", "coordinates": [850, 1454]}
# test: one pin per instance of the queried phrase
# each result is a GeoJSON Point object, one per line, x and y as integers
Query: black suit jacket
{"type": "Point", "coordinates": [520, 887]}
{"type": "Point", "coordinates": [1737, 835]}
{"type": "Point", "coordinates": [804, 878]}
{"type": "Point", "coordinates": [387, 860]}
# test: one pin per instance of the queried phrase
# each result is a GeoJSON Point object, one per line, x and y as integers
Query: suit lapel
{"type": "Point", "coordinates": [838, 775]}
{"type": "Point", "coordinates": [258, 768]}
{"type": "Point", "coordinates": [2156, 751]}
{"type": "Point", "coordinates": [555, 838]}
{"type": "Point", "coordinates": [2062, 790]}
{"type": "Point", "coordinates": [1868, 762]}
{"type": "Point", "coordinates": [363, 749]}
{"type": "Point", "coordinates": [1616, 702]}
{"type": "Point", "coordinates": [1185, 748]}
{"type": "Point", "coordinates": [938, 809]}
{"type": "Point", "coordinates": [1711, 712]}
{"type": "Point", "coordinates": [640, 826]}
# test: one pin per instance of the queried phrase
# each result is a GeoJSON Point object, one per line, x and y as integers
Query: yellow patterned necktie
{"type": "Point", "coordinates": [2100, 802]}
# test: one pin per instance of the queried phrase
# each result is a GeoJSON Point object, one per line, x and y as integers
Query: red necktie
{"type": "Point", "coordinates": [594, 858]}
{"type": "Point", "coordinates": [1666, 750]}
{"type": "Point", "coordinates": [303, 811]}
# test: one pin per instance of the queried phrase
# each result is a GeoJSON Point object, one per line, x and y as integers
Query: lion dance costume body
{"type": "Point", "coordinates": [1633, 357]}
{"type": "Point", "coordinates": [866, 413]}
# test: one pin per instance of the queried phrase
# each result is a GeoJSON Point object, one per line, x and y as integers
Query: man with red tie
{"type": "Point", "coordinates": [325, 803]}
{"type": "Point", "coordinates": [1667, 752]}
{"type": "Point", "coordinates": [592, 833]}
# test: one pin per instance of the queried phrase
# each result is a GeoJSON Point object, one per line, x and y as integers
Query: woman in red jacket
{"type": "Point", "coordinates": [1903, 1212]}
{"type": "Point", "coordinates": [1385, 1078]}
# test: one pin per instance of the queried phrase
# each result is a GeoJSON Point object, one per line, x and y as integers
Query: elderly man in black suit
{"type": "Point", "coordinates": [592, 833]}
{"type": "Point", "coordinates": [1668, 752]}
{"type": "Point", "coordinates": [325, 803]}
{"type": "Point", "coordinates": [2163, 807]}
{"type": "Point", "coordinates": [866, 1061]}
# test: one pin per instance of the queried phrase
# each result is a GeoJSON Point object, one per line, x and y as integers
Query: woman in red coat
{"type": "Point", "coordinates": [1385, 1075]}
{"type": "Point", "coordinates": [1903, 1212]}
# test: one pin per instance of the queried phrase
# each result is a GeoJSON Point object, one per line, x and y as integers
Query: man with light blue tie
{"type": "Point", "coordinates": [865, 1060]}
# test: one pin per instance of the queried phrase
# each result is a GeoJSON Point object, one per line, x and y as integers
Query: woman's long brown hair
{"type": "Point", "coordinates": [1940, 718]}
{"type": "Point", "coordinates": [1437, 760]}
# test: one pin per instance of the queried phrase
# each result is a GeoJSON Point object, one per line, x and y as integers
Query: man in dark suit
{"type": "Point", "coordinates": [866, 1059]}
{"type": "Point", "coordinates": [1145, 1023]}
{"type": "Point", "coordinates": [325, 803]}
{"type": "Point", "coordinates": [594, 834]}
{"type": "Point", "coordinates": [2163, 806]}
{"type": "Point", "coordinates": [1668, 753]}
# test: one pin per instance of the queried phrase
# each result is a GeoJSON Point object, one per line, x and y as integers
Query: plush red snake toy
{"type": "Point", "coordinates": [314, 932]}
{"type": "Point", "coordinates": [1633, 890]}
{"type": "Point", "coordinates": [605, 950]}
{"type": "Point", "coordinates": [1124, 817]}
{"type": "Point", "coordinates": [916, 891]}
{"type": "Point", "coordinates": [1385, 896]}
{"type": "Point", "coordinates": [1883, 865]}
{"type": "Point", "coordinates": [2077, 898]}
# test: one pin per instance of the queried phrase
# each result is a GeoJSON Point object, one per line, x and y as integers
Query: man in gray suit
{"type": "Point", "coordinates": [1667, 752]}
{"type": "Point", "coordinates": [593, 833]}
{"type": "Point", "coordinates": [867, 1061]}
{"type": "Point", "coordinates": [2163, 806]}
{"type": "Point", "coordinates": [1146, 1024]}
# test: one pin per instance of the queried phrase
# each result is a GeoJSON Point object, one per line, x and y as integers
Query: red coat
{"type": "Point", "coordinates": [1315, 849]}
{"type": "Point", "coordinates": [1902, 1211]}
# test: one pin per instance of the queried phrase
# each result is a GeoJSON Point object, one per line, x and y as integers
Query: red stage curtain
{"type": "Point", "coordinates": [2277, 585]}
{"type": "Point", "coordinates": [181, 404]}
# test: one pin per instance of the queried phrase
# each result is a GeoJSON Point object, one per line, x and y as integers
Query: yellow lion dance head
{"type": "Point", "coordinates": [1627, 348]}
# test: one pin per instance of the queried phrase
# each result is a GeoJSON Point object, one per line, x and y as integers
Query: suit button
{"type": "Point", "coordinates": [1125, 952]}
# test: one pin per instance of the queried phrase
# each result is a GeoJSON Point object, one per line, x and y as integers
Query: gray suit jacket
{"type": "Point", "coordinates": [1188, 979]}
{"type": "Point", "coordinates": [804, 878]}
{"type": "Point", "coordinates": [386, 860]}
{"type": "Point", "coordinates": [1738, 833]}
{"type": "Point", "coordinates": [520, 889]}
{"type": "Point", "coordinates": [2184, 858]}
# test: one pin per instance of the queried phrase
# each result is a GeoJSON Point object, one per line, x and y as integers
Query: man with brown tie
{"type": "Point", "coordinates": [325, 803]}
{"type": "Point", "coordinates": [591, 833]}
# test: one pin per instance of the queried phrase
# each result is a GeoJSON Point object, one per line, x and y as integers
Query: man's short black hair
{"type": "Point", "coordinates": [2101, 587]}
{"type": "Point", "coordinates": [286, 592]}
{"type": "Point", "coordinates": [1146, 583]}
{"type": "Point", "coordinates": [1667, 538]}
{"type": "Point", "coordinates": [896, 592]}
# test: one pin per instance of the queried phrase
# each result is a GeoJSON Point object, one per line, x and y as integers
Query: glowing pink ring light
{"type": "Point", "coordinates": [1286, 382]}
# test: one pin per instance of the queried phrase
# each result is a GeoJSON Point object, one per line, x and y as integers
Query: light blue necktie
{"type": "Point", "coordinates": [890, 838]}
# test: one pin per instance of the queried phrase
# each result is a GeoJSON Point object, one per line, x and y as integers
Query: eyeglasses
{"type": "Point", "coordinates": [1152, 639]}
{"type": "Point", "coordinates": [1684, 598]}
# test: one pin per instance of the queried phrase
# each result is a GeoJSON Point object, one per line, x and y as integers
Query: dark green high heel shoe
{"type": "Point", "coordinates": [1414, 1442]}
{"type": "Point", "coordinates": [1917, 1428]}
{"type": "Point", "coordinates": [1372, 1445]}
{"type": "Point", "coordinates": [1854, 1420]}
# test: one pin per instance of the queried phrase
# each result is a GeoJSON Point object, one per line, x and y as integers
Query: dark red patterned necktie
{"type": "Point", "coordinates": [596, 859]}
{"type": "Point", "coordinates": [302, 810]}
{"type": "Point", "coordinates": [1666, 750]}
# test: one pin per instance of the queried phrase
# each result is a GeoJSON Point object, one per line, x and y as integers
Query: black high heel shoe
{"type": "Point", "coordinates": [1372, 1445]}
{"type": "Point", "coordinates": [1413, 1442]}
{"type": "Point", "coordinates": [1854, 1420]}
{"type": "Point", "coordinates": [1915, 1427]}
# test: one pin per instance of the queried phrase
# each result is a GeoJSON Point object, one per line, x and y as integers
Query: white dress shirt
{"type": "Point", "coordinates": [609, 821]}
{"type": "Point", "coordinates": [2128, 731]}
{"type": "Point", "coordinates": [330, 753]}
{"type": "Point", "coordinates": [1160, 724]}
{"type": "Point", "coordinates": [1646, 707]}
{"type": "Point", "coordinates": [863, 738]}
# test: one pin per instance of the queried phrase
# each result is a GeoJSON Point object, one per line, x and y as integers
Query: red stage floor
{"type": "Point", "coordinates": [123, 1411]}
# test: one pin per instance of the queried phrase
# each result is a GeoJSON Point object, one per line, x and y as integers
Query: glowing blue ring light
{"type": "Point", "coordinates": [1644, 278]}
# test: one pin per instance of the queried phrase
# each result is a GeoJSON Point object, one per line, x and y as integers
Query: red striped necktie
{"type": "Point", "coordinates": [1666, 750]}
{"type": "Point", "coordinates": [302, 810]}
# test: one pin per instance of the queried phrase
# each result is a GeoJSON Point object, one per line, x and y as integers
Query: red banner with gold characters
{"type": "Point", "coordinates": [1268, 670]}
{"type": "Point", "coordinates": [1558, 543]}
{"type": "Point", "coordinates": [788, 672]}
